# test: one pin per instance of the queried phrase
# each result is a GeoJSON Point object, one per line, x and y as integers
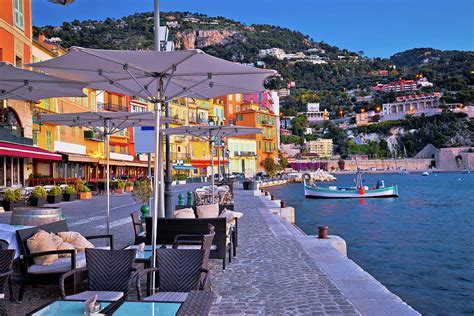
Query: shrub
{"type": "Point", "coordinates": [181, 176]}
{"type": "Point", "coordinates": [55, 190]}
{"type": "Point", "coordinates": [130, 184]}
{"type": "Point", "coordinates": [85, 188]}
{"type": "Point", "coordinates": [69, 190]}
{"type": "Point", "coordinates": [142, 191]}
{"type": "Point", "coordinates": [12, 195]}
{"type": "Point", "coordinates": [121, 184]}
{"type": "Point", "coordinates": [39, 192]}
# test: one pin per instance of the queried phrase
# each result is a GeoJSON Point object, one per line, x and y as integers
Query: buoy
{"type": "Point", "coordinates": [361, 191]}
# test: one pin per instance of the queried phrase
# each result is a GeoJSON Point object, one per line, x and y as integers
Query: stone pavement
{"type": "Point", "coordinates": [272, 274]}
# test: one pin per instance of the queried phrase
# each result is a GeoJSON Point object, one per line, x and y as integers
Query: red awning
{"type": "Point", "coordinates": [25, 151]}
{"type": "Point", "coordinates": [204, 163]}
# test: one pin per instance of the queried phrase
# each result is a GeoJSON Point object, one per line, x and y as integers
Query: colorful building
{"type": "Point", "coordinates": [321, 147]}
{"type": "Point", "coordinates": [242, 155]}
{"type": "Point", "coordinates": [253, 115]}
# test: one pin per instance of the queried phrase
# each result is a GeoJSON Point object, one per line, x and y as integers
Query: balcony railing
{"type": "Point", "coordinates": [112, 107]}
{"type": "Point", "coordinates": [202, 120]}
{"type": "Point", "coordinates": [179, 139]}
{"type": "Point", "coordinates": [93, 135]}
{"type": "Point", "coordinates": [265, 122]}
{"type": "Point", "coordinates": [179, 156]}
{"type": "Point", "coordinates": [244, 153]}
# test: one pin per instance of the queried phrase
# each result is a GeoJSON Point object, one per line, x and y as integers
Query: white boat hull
{"type": "Point", "coordinates": [324, 193]}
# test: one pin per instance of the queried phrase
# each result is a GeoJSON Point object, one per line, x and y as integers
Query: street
{"type": "Point", "coordinates": [88, 216]}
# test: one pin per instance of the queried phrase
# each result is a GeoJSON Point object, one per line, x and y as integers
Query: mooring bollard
{"type": "Point", "coordinates": [322, 232]}
{"type": "Point", "coordinates": [180, 199]}
{"type": "Point", "coordinates": [190, 199]}
{"type": "Point", "coordinates": [267, 193]}
{"type": "Point", "coordinates": [272, 197]}
{"type": "Point", "coordinates": [282, 204]}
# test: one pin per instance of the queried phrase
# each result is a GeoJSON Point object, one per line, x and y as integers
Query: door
{"type": "Point", "coordinates": [243, 165]}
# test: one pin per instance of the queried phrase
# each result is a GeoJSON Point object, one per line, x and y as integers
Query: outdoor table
{"type": "Point", "coordinates": [126, 308]}
{"type": "Point", "coordinates": [8, 233]}
{"type": "Point", "coordinates": [65, 307]}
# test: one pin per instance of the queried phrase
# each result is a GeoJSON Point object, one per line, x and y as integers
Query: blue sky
{"type": "Point", "coordinates": [378, 27]}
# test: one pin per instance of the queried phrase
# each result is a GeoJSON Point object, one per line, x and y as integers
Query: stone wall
{"type": "Point", "coordinates": [382, 164]}
{"type": "Point", "coordinates": [23, 110]}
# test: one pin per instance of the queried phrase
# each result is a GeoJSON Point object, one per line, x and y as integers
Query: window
{"type": "Point", "coordinates": [86, 101]}
{"type": "Point", "coordinates": [35, 137]}
{"type": "Point", "coordinates": [47, 104]}
{"type": "Point", "coordinates": [18, 62]}
{"type": "Point", "coordinates": [49, 140]}
{"type": "Point", "coordinates": [93, 105]}
{"type": "Point", "coordinates": [238, 108]}
{"type": "Point", "coordinates": [231, 97]}
{"type": "Point", "coordinates": [18, 14]}
{"type": "Point", "coordinates": [237, 97]}
{"type": "Point", "coordinates": [259, 145]}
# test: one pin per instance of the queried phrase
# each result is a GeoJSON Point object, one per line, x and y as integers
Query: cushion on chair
{"type": "Point", "coordinates": [168, 297]}
{"type": "Point", "coordinates": [61, 245]}
{"type": "Point", "coordinates": [228, 215]}
{"type": "Point", "coordinates": [184, 213]}
{"type": "Point", "coordinates": [39, 242]}
{"type": "Point", "coordinates": [77, 240]}
{"type": "Point", "coordinates": [61, 265]}
{"type": "Point", "coordinates": [208, 211]}
{"type": "Point", "coordinates": [109, 296]}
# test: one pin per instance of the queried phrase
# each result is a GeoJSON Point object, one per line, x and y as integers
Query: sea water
{"type": "Point", "coordinates": [420, 245]}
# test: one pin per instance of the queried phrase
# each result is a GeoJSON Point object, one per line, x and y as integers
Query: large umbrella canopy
{"type": "Point", "coordinates": [211, 134]}
{"type": "Point", "coordinates": [26, 85]}
{"type": "Point", "coordinates": [109, 123]}
{"type": "Point", "coordinates": [144, 73]}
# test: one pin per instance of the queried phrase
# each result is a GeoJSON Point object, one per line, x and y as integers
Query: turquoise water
{"type": "Point", "coordinates": [420, 245]}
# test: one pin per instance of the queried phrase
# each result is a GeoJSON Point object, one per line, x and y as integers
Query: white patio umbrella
{"type": "Point", "coordinates": [107, 123]}
{"type": "Point", "coordinates": [25, 85]}
{"type": "Point", "coordinates": [210, 133]}
{"type": "Point", "coordinates": [160, 77]}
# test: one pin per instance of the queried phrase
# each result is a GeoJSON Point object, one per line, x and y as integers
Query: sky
{"type": "Point", "coordinates": [380, 28]}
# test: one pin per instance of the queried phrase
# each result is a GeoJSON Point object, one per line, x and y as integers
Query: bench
{"type": "Point", "coordinates": [39, 274]}
{"type": "Point", "coordinates": [169, 228]}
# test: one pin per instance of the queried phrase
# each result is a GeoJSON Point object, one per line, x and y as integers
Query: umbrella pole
{"type": "Point", "coordinates": [211, 143]}
{"type": "Point", "coordinates": [107, 179]}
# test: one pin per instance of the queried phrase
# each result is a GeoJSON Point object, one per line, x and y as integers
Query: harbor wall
{"type": "Point", "coordinates": [415, 165]}
{"type": "Point", "coordinates": [361, 289]}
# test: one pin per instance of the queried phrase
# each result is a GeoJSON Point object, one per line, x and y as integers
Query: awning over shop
{"type": "Point", "coordinates": [204, 163]}
{"type": "Point", "coordinates": [25, 151]}
{"type": "Point", "coordinates": [123, 163]}
{"type": "Point", "coordinates": [81, 158]}
{"type": "Point", "coordinates": [183, 167]}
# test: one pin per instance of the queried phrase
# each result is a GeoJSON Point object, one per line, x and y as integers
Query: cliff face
{"type": "Point", "coordinates": [203, 38]}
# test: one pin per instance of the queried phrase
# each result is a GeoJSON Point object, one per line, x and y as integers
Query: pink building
{"type": "Point", "coordinates": [261, 98]}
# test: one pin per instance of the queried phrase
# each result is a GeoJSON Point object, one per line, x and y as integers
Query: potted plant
{"type": "Point", "coordinates": [181, 178]}
{"type": "Point", "coordinates": [120, 186]}
{"type": "Point", "coordinates": [54, 195]}
{"type": "Point", "coordinates": [85, 193]}
{"type": "Point", "coordinates": [142, 193]}
{"type": "Point", "coordinates": [129, 186]}
{"type": "Point", "coordinates": [38, 196]}
{"type": "Point", "coordinates": [12, 199]}
{"type": "Point", "coordinates": [69, 193]}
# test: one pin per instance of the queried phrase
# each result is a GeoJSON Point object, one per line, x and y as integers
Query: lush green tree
{"type": "Point", "coordinates": [270, 166]}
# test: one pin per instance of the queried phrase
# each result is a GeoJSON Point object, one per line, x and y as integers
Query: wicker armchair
{"type": "Point", "coordinates": [6, 262]}
{"type": "Point", "coordinates": [179, 271]}
{"type": "Point", "coordinates": [137, 228]}
{"type": "Point", "coordinates": [202, 241]}
{"type": "Point", "coordinates": [109, 274]}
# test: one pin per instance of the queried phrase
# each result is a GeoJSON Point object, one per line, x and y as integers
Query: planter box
{"type": "Point", "coordinates": [181, 181]}
{"type": "Point", "coordinates": [119, 190]}
{"type": "Point", "coordinates": [128, 189]}
{"type": "Point", "coordinates": [52, 199]}
{"type": "Point", "coordinates": [69, 197]}
{"type": "Point", "coordinates": [36, 202]}
{"type": "Point", "coordinates": [9, 206]}
{"type": "Point", "coordinates": [85, 195]}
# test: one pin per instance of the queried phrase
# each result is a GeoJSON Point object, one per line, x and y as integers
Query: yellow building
{"type": "Point", "coordinates": [242, 155]}
{"type": "Point", "coordinates": [321, 147]}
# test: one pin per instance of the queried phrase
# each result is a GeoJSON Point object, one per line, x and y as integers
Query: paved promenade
{"type": "Point", "coordinates": [272, 274]}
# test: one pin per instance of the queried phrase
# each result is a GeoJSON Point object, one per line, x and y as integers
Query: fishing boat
{"type": "Point", "coordinates": [357, 192]}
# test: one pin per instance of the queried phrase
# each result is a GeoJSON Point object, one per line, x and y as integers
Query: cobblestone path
{"type": "Point", "coordinates": [272, 274]}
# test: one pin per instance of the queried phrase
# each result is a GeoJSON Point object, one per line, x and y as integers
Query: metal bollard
{"type": "Point", "coordinates": [282, 204]}
{"type": "Point", "coordinates": [322, 232]}
{"type": "Point", "coordinates": [181, 199]}
{"type": "Point", "coordinates": [272, 197]}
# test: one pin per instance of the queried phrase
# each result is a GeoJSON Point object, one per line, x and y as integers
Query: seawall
{"type": "Point", "coordinates": [363, 291]}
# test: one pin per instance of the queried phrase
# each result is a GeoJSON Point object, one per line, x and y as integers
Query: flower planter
{"type": "Point", "coordinates": [9, 206]}
{"type": "Point", "coordinates": [37, 201]}
{"type": "Point", "coordinates": [69, 197]}
{"type": "Point", "coordinates": [181, 181]}
{"type": "Point", "coordinates": [119, 190]}
{"type": "Point", "coordinates": [85, 195]}
{"type": "Point", "coordinates": [128, 189]}
{"type": "Point", "coordinates": [52, 199]}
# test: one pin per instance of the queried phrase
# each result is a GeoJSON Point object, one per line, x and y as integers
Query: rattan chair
{"type": "Point", "coordinates": [109, 275]}
{"type": "Point", "coordinates": [6, 262]}
{"type": "Point", "coordinates": [178, 272]}
{"type": "Point", "coordinates": [186, 241]}
{"type": "Point", "coordinates": [138, 228]}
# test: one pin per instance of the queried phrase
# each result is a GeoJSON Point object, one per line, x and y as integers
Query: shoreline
{"type": "Point", "coordinates": [361, 289]}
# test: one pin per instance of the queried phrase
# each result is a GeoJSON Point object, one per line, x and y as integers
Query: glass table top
{"type": "Point", "coordinates": [71, 308]}
{"type": "Point", "coordinates": [147, 308]}
{"type": "Point", "coordinates": [145, 254]}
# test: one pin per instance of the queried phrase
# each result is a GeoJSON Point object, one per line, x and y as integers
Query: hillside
{"type": "Point", "coordinates": [321, 72]}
